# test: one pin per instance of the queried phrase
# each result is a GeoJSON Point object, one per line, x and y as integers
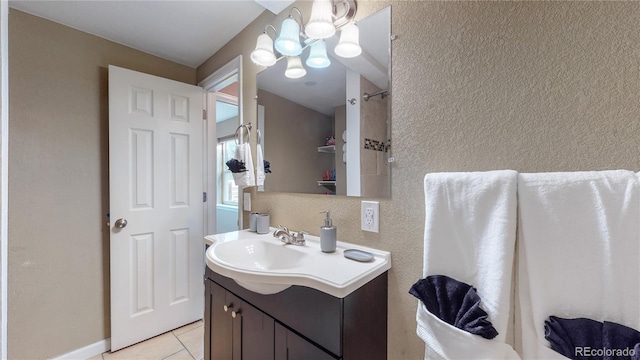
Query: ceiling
{"type": "Point", "coordinates": [187, 32]}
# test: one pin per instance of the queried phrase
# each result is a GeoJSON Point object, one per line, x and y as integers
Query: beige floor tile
{"type": "Point", "coordinates": [180, 355]}
{"type": "Point", "coordinates": [188, 327]}
{"type": "Point", "coordinates": [155, 348]}
{"type": "Point", "coordinates": [97, 357]}
{"type": "Point", "coordinates": [194, 342]}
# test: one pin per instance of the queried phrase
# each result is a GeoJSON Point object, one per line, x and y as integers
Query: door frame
{"type": "Point", "coordinates": [210, 85]}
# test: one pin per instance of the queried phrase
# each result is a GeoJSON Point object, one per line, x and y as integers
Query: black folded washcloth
{"type": "Point", "coordinates": [618, 338]}
{"type": "Point", "coordinates": [455, 303]}
{"type": "Point", "coordinates": [583, 338]}
{"type": "Point", "coordinates": [567, 335]}
{"type": "Point", "coordinates": [267, 166]}
{"type": "Point", "coordinates": [236, 166]}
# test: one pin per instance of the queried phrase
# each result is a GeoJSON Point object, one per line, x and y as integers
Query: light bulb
{"type": "Point", "coordinates": [320, 25]}
{"type": "Point", "coordinates": [349, 45]}
{"type": "Point", "coordinates": [318, 55]}
{"type": "Point", "coordinates": [288, 42]}
{"type": "Point", "coordinates": [294, 68]}
{"type": "Point", "coordinates": [263, 54]}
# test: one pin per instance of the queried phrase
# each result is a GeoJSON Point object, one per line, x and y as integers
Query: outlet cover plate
{"type": "Point", "coordinates": [370, 216]}
{"type": "Point", "coordinates": [247, 202]}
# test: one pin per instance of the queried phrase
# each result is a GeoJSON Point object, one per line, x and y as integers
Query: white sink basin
{"type": "Point", "coordinates": [259, 255]}
{"type": "Point", "coordinates": [263, 264]}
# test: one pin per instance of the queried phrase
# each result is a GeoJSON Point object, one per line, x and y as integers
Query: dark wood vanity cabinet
{"type": "Point", "coordinates": [298, 323]}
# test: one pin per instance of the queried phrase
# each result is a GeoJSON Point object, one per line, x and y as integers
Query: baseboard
{"type": "Point", "coordinates": [87, 352]}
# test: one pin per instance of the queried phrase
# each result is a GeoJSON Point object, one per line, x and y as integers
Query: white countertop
{"type": "Point", "coordinates": [331, 273]}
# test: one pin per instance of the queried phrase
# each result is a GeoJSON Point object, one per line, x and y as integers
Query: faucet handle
{"type": "Point", "coordinates": [300, 237]}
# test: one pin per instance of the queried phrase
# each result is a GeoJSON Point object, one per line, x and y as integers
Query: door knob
{"type": "Point", "coordinates": [235, 313]}
{"type": "Point", "coordinates": [121, 223]}
{"type": "Point", "coordinates": [227, 307]}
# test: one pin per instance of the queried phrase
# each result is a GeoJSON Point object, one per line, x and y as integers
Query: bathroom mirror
{"type": "Point", "coordinates": [328, 131]}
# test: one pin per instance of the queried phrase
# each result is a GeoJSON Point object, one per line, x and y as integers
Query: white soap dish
{"type": "Point", "coordinates": [358, 255]}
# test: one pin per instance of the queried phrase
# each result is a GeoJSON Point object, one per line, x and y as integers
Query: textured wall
{"type": "Point", "coordinates": [530, 86]}
{"type": "Point", "coordinates": [58, 185]}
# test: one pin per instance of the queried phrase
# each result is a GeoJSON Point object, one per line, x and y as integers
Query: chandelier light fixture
{"type": "Point", "coordinates": [327, 17]}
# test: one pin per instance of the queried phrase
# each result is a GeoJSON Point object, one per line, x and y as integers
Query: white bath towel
{"type": "Point", "coordinates": [470, 231]}
{"type": "Point", "coordinates": [246, 178]}
{"type": "Point", "coordinates": [579, 245]}
{"type": "Point", "coordinates": [260, 176]}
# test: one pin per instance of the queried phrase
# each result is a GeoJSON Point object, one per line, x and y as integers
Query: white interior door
{"type": "Point", "coordinates": [156, 186]}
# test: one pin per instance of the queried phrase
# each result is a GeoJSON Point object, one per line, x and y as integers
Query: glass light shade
{"type": "Point", "coordinates": [263, 54]}
{"type": "Point", "coordinates": [349, 44]}
{"type": "Point", "coordinates": [288, 42]}
{"type": "Point", "coordinates": [294, 68]}
{"type": "Point", "coordinates": [320, 25]}
{"type": "Point", "coordinates": [318, 55]}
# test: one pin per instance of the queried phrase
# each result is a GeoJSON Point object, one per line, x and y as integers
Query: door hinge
{"type": "Point", "coordinates": [204, 197]}
{"type": "Point", "coordinates": [204, 114]}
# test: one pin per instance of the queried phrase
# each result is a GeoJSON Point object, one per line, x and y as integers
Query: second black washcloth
{"type": "Point", "coordinates": [582, 338]}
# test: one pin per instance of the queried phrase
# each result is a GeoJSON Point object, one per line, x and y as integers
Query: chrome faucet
{"type": "Point", "coordinates": [287, 237]}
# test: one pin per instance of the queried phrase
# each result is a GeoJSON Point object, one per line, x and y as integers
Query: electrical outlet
{"type": "Point", "coordinates": [370, 216]}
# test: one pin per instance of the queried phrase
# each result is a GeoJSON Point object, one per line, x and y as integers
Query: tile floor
{"type": "Point", "coordinates": [185, 343]}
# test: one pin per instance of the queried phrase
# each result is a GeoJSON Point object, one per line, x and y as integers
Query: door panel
{"type": "Point", "coordinates": [155, 183]}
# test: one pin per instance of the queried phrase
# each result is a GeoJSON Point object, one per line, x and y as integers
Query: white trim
{"type": "Point", "coordinates": [229, 99]}
{"type": "Point", "coordinates": [4, 168]}
{"type": "Point", "coordinates": [353, 135]}
{"type": "Point", "coordinates": [229, 69]}
{"type": "Point", "coordinates": [88, 351]}
{"type": "Point", "coordinates": [232, 69]}
{"type": "Point", "coordinates": [210, 164]}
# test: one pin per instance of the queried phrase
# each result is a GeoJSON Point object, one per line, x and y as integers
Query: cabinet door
{"type": "Point", "coordinates": [257, 333]}
{"type": "Point", "coordinates": [290, 346]}
{"type": "Point", "coordinates": [220, 323]}
{"type": "Point", "coordinates": [235, 330]}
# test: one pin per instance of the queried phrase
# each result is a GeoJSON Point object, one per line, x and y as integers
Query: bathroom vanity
{"type": "Point", "coordinates": [309, 318]}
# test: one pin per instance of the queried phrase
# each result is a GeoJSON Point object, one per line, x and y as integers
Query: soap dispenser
{"type": "Point", "coordinates": [327, 234]}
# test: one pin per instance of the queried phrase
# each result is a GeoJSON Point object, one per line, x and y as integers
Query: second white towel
{"type": "Point", "coordinates": [578, 252]}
